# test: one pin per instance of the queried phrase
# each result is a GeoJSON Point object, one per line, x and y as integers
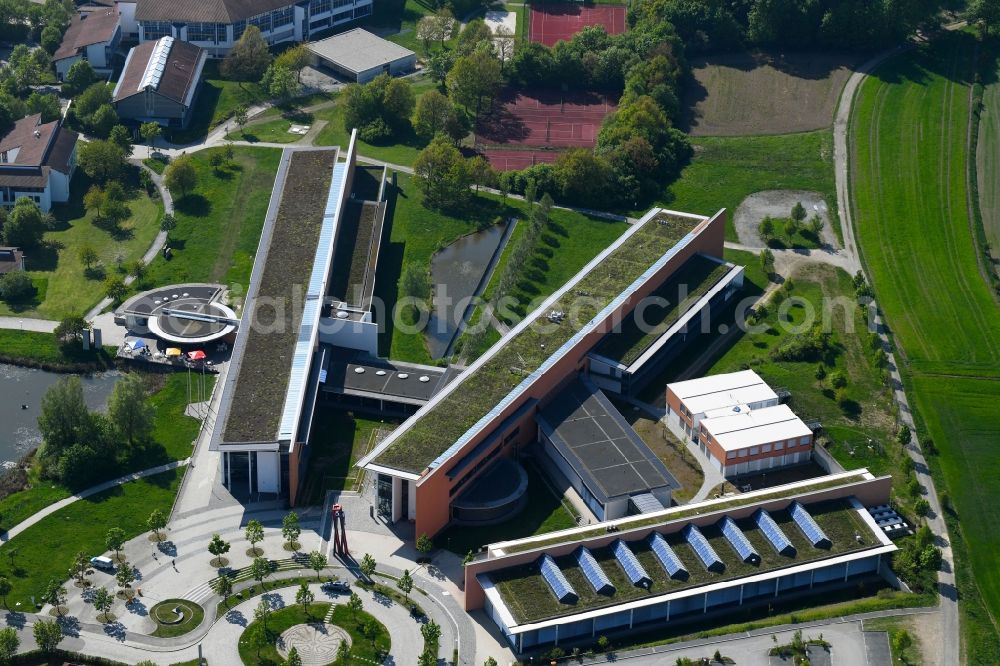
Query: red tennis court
{"type": "Point", "coordinates": [553, 22]}
{"type": "Point", "coordinates": [546, 118]}
{"type": "Point", "coordinates": [515, 160]}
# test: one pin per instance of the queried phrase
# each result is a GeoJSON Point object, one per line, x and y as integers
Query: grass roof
{"type": "Point", "coordinates": [258, 400]}
{"type": "Point", "coordinates": [529, 598]}
{"type": "Point", "coordinates": [522, 353]}
{"type": "Point", "coordinates": [694, 279]}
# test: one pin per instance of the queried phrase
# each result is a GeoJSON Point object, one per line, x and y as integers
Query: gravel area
{"type": "Point", "coordinates": [778, 203]}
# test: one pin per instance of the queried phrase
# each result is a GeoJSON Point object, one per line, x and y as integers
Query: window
{"type": "Point", "coordinates": [262, 21]}
{"type": "Point", "coordinates": [778, 446]}
{"type": "Point", "coordinates": [283, 16]}
{"type": "Point", "coordinates": [202, 32]}
{"type": "Point", "coordinates": [804, 440]}
{"type": "Point", "coordinates": [155, 29]}
{"type": "Point", "coordinates": [766, 448]}
{"type": "Point", "coordinates": [754, 450]}
{"type": "Point", "coordinates": [741, 453]}
{"type": "Point", "coordinates": [238, 29]}
{"type": "Point", "coordinates": [730, 455]}
{"type": "Point", "coordinates": [319, 7]}
{"type": "Point", "coordinates": [362, 11]}
{"type": "Point", "coordinates": [791, 443]}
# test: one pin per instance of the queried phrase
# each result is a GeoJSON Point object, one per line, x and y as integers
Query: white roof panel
{"type": "Point", "coordinates": [359, 50]}
{"type": "Point", "coordinates": [726, 390]}
{"type": "Point", "coordinates": [751, 428]}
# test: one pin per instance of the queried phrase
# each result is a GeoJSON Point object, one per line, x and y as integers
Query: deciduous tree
{"type": "Point", "coordinates": [130, 414]}
{"type": "Point", "coordinates": [125, 576]}
{"type": "Point", "coordinates": [101, 160]}
{"type": "Point", "coordinates": [181, 176]}
{"type": "Point", "coordinates": [442, 175]}
{"type": "Point", "coordinates": [223, 586]}
{"type": "Point", "coordinates": [114, 540]}
{"type": "Point", "coordinates": [317, 562]}
{"type": "Point", "coordinates": [254, 534]}
{"type": "Point", "coordinates": [5, 588]}
{"type": "Point", "coordinates": [249, 57]}
{"type": "Point", "coordinates": [280, 83]}
{"type": "Point", "coordinates": [48, 634]}
{"type": "Point", "coordinates": [474, 78]}
{"type": "Point", "coordinates": [103, 600]}
{"type": "Point", "coordinates": [260, 569]}
{"type": "Point", "coordinates": [64, 417]}
{"type": "Point", "coordinates": [149, 132]}
{"type": "Point", "coordinates": [25, 224]}
{"type": "Point", "coordinates": [290, 529]}
{"type": "Point", "coordinates": [156, 522]}
{"type": "Point", "coordinates": [218, 547]}
{"type": "Point", "coordinates": [9, 643]}
{"type": "Point", "coordinates": [304, 597]}
{"type": "Point", "coordinates": [405, 583]}
{"type": "Point", "coordinates": [293, 59]}
{"type": "Point", "coordinates": [262, 613]}
{"type": "Point", "coordinates": [367, 566]}
{"type": "Point", "coordinates": [122, 137]}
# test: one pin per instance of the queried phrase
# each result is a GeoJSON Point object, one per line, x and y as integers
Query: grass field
{"type": "Point", "coordinates": [338, 440]}
{"type": "Point", "coordinates": [217, 101]}
{"type": "Point", "coordinates": [725, 170]}
{"type": "Point", "coordinates": [416, 233]}
{"type": "Point", "coordinates": [63, 286]}
{"type": "Point", "coordinates": [909, 157]}
{"type": "Point", "coordinates": [218, 225]}
{"type": "Point", "coordinates": [988, 162]}
{"type": "Point", "coordinates": [40, 350]}
{"type": "Point", "coordinates": [45, 550]}
{"type": "Point", "coordinates": [193, 615]}
{"type": "Point", "coordinates": [271, 131]}
{"type": "Point", "coordinates": [397, 21]}
{"type": "Point", "coordinates": [745, 93]}
{"type": "Point", "coordinates": [400, 149]}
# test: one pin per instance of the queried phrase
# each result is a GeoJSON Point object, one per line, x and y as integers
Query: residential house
{"type": "Point", "coordinates": [93, 35]}
{"type": "Point", "coordinates": [37, 160]}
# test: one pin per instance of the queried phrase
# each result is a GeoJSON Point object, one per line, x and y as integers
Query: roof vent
{"type": "Point", "coordinates": [736, 409]}
{"type": "Point", "coordinates": [38, 134]}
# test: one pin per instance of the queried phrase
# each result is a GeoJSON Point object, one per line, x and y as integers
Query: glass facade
{"type": "Point", "coordinates": [206, 32]}
{"type": "Point", "coordinates": [155, 29]}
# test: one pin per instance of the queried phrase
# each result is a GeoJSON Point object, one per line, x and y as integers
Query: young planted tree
{"type": "Point", "coordinates": [55, 595]}
{"type": "Point", "coordinates": [767, 261]}
{"type": "Point", "coordinates": [260, 569]}
{"type": "Point", "coordinates": [290, 530]}
{"type": "Point", "coordinates": [80, 569]}
{"type": "Point", "coordinates": [254, 534]}
{"type": "Point", "coordinates": [317, 561]}
{"type": "Point", "coordinates": [405, 584]}
{"type": "Point", "coordinates": [262, 613]}
{"type": "Point", "coordinates": [241, 116]}
{"type": "Point", "coordinates": [149, 132]}
{"type": "Point", "coordinates": [304, 597]}
{"type": "Point", "coordinates": [367, 566]}
{"type": "Point", "coordinates": [5, 588]}
{"type": "Point", "coordinates": [103, 600]}
{"type": "Point", "coordinates": [181, 176]}
{"type": "Point", "coordinates": [156, 523]}
{"type": "Point", "coordinates": [48, 634]}
{"type": "Point", "coordinates": [766, 228]}
{"type": "Point", "coordinates": [115, 289]}
{"type": "Point", "coordinates": [87, 254]}
{"type": "Point", "coordinates": [168, 224]}
{"type": "Point", "coordinates": [125, 576]}
{"type": "Point", "coordinates": [371, 629]}
{"type": "Point", "coordinates": [431, 632]}
{"type": "Point", "coordinates": [218, 547]}
{"type": "Point", "coordinates": [223, 586]}
{"type": "Point", "coordinates": [354, 604]}
{"type": "Point", "coordinates": [798, 212]}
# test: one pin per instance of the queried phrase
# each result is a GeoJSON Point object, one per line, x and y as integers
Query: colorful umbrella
{"type": "Point", "coordinates": [173, 351]}
{"type": "Point", "coordinates": [196, 355]}
{"type": "Point", "coordinates": [137, 344]}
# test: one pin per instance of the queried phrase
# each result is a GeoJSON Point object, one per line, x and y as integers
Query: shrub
{"type": "Point", "coordinates": [16, 287]}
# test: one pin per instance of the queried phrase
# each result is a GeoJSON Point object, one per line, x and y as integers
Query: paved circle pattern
{"type": "Point", "coordinates": [316, 643]}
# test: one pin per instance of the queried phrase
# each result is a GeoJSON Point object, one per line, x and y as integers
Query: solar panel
{"type": "Point", "coordinates": [808, 526]}
{"type": "Point", "coordinates": [553, 575]}
{"type": "Point", "coordinates": [630, 563]}
{"type": "Point", "coordinates": [773, 533]}
{"type": "Point", "coordinates": [668, 558]}
{"type": "Point", "coordinates": [734, 535]}
{"type": "Point", "coordinates": [593, 571]}
{"type": "Point", "coordinates": [703, 548]}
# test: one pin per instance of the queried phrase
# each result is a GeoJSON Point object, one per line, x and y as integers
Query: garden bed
{"type": "Point", "coordinates": [263, 375]}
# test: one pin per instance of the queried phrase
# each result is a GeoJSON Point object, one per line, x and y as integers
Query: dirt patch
{"type": "Point", "coordinates": [674, 455]}
{"type": "Point", "coordinates": [778, 204]}
{"type": "Point", "coordinates": [734, 94]}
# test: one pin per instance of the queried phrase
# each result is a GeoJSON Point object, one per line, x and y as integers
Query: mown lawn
{"type": "Point", "coordinates": [362, 648]}
{"type": "Point", "coordinates": [63, 286]}
{"type": "Point", "coordinates": [400, 18]}
{"type": "Point", "coordinates": [725, 170]}
{"type": "Point", "coordinates": [217, 101]}
{"type": "Point", "coordinates": [173, 433]}
{"type": "Point", "coordinates": [46, 549]}
{"type": "Point", "coordinates": [271, 131]}
{"type": "Point", "coordinates": [399, 149]}
{"type": "Point", "coordinates": [40, 350]}
{"type": "Point", "coordinates": [909, 158]}
{"type": "Point", "coordinates": [416, 233]}
{"type": "Point", "coordinates": [219, 224]}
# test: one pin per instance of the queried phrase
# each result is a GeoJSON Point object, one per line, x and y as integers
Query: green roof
{"type": "Point", "coordinates": [694, 279]}
{"type": "Point", "coordinates": [478, 391]}
{"type": "Point", "coordinates": [529, 598]}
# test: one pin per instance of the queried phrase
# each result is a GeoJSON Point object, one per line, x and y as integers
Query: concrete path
{"type": "Point", "coordinates": [947, 650]}
{"type": "Point", "coordinates": [52, 508]}
{"type": "Point", "coordinates": [28, 324]}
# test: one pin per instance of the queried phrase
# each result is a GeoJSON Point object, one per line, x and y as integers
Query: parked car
{"type": "Point", "coordinates": [337, 587]}
{"type": "Point", "coordinates": [103, 563]}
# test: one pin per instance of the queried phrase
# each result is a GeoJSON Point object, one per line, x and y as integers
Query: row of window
{"type": "Point", "coordinates": [323, 6]}
{"type": "Point", "coordinates": [766, 448]}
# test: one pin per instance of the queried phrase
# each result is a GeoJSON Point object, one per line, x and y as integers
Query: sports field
{"type": "Point", "coordinates": [909, 159]}
{"type": "Point", "coordinates": [541, 118]}
{"type": "Point", "coordinates": [560, 21]}
{"type": "Point", "coordinates": [744, 92]}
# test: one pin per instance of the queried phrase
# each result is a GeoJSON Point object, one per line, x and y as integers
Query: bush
{"type": "Point", "coordinates": [922, 507]}
{"type": "Point", "coordinates": [16, 287]}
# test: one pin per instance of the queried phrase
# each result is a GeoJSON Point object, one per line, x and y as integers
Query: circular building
{"type": "Point", "coordinates": [183, 314]}
{"type": "Point", "coordinates": [493, 497]}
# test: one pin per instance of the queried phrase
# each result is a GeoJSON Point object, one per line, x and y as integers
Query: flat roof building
{"type": "Point", "coordinates": [736, 420]}
{"type": "Point", "coordinates": [683, 563]}
{"type": "Point", "coordinates": [360, 56]}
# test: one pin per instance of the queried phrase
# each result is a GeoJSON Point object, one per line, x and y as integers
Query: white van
{"type": "Point", "coordinates": [104, 563]}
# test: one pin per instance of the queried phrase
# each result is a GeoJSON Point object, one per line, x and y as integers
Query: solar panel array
{"type": "Point", "coordinates": [630, 563]}
{"type": "Point", "coordinates": [734, 535]}
{"type": "Point", "coordinates": [593, 571]}
{"type": "Point", "coordinates": [668, 558]}
{"type": "Point", "coordinates": [773, 533]}
{"type": "Point", "coordinates": [808, 526]}
{"type": "Point", "coordinates": [553, 575]}
{"type": "Point", "coordinates": [702, 548]}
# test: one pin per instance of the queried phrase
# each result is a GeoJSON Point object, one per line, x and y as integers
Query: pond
{"type": "Point", "coordinates": [457, 272]}
{"type": "Point", "coordinates": [24, 387]}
